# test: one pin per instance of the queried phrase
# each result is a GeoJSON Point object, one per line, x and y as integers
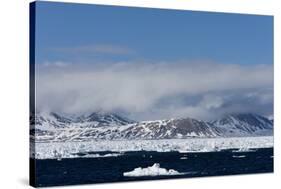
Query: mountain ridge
{"type": "Point", "coordinates": [108, 126]}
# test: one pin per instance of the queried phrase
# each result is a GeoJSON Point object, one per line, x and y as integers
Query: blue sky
{"type": "Point", "coordinates": [83, 33]}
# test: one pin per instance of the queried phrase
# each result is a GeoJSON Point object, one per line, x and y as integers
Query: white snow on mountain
{"type": "Point", "coordinates": [100, 126]}
{"type": "Point", "coordinates": [52, 121]}
{"type": "Point", "coordinates": [244, 125]}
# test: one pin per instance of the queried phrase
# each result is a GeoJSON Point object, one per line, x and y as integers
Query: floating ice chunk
{"type": "Point", "coordinates": [154, 170]}
{"type": "Point", "coordinates": [242, 156]}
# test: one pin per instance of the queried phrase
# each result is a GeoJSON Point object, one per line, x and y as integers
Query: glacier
{"type": "Point", "coordinates": [70, 149]}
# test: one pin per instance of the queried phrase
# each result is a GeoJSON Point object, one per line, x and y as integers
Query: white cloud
{"type": "Point", "coordinates": [156, 90]}
{"type": "Point", "coordinates": [210, 102]}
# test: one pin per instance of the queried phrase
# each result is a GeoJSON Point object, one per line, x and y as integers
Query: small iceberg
{"type": "Point", "coordinates": [154, 170]}
{"type": "Point", "coordinates": [242, 156]}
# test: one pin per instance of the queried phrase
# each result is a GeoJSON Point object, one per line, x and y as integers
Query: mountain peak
{"type": "Point", "coordinates": [95, 119]}
{"type": "Point", "coordinates": [244, 124]}
{"type": "Point", "coordinates": [105, 119]}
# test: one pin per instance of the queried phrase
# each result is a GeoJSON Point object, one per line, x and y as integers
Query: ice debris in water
{"type": "Point", "coordinates": [154, 170]}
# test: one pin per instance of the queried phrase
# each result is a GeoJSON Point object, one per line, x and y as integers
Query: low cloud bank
{"type": "Point", "coordinates": [156, 90]}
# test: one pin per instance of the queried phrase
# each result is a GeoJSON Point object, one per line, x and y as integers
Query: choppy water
{"type": "Point", "coordinates": [111, 169]}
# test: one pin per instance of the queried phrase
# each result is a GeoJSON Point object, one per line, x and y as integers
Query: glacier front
{"type": "Point", "coordinates": [58, 150]}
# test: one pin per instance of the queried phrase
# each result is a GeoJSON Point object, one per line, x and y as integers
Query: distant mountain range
{"type": "Point", "coordinates": [47, 127]}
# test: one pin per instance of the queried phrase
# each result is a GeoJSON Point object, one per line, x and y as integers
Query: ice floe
{"type": "Point", "coordinates": [154, 170]}
{"type": "Point", "coordinates": [242, 156]}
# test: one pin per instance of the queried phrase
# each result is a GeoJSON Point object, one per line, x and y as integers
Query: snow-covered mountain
{"type": "Point", "coordinates": [50, 121]}
{"type": "Point", "coordinates": [244, 125]}
{"type": "Point", "coordinates": [100, 126]}
{"type": "Point", "coordinates": [171, 128]}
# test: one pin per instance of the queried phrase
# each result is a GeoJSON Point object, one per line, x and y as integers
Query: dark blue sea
{"type": "Point", "coordinates": [111, 169]}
